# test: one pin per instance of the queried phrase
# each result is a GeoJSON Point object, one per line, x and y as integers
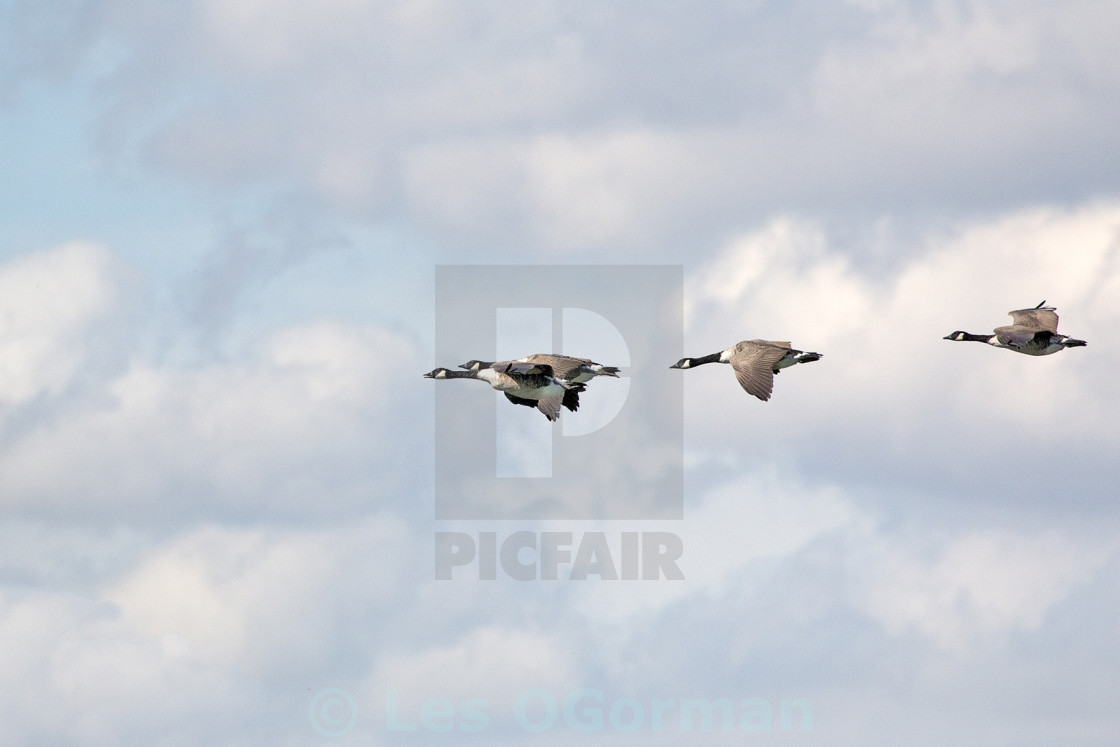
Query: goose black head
{"type": "Point", "coordinates": [958, 336]}
{"type": "Point", "coordinates": [475, 365]}
{"type": "Point", "coordinates": [437, 373]}
{"type": "Point", "coordinates": [682, 363]}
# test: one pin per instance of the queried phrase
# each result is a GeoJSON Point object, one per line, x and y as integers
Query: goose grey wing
{"type": "Point", "coordinates": [759, 352]}
{"type": "Point", "coordinates": [550, 406]}
{"type": "Point", "coordinates": [521, 368]}
{"type": "Point", "coordinates": [754, 366]}
{"type": "Point", "coordinates": [1040, 318]}
{"type": "Point", "coordinates": [780, 343]}
{"type": "Point", "coordinates": [1017, 336]}
{"type": "Point", "coordinates": [748, 348]}
{"type": "Point", "coordinates": [563, 366]}
{"type": "Point", "coordinates": [755, 378]}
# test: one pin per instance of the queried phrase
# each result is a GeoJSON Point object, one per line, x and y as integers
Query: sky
{"type": "Point", "coordinates": [222, 223]}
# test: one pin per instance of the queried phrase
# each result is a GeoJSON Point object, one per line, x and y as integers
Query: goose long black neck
{"type": "Point", "coordinates": [447, 373]}
{"type": "Point", "coordinates": [713, 358]}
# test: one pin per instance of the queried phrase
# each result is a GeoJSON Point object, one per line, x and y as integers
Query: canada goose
{"type": "Point", "coordinates": [1032, 332]}
{"type": "Point", "coordinates": [574, 370]}
{"type": "Point", "coordinates": [571, 395]}
{"type": "Point", "coordinates": [526, 384]}
{"type": "Point", "coordinates": [755, 363]}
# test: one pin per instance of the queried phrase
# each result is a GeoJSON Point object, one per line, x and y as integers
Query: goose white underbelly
{"type": "Point", "coordinates": [787, 360]}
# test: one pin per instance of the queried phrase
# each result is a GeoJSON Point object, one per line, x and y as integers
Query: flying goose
{"type": "Point", "coordinates": [526, 384]}
{"type": "Point", "coordinates": [574, 370]}
{"type": "Point", "coordinates": [755, 363]}
{"type": "Point", "coordinates": [1032, 332]}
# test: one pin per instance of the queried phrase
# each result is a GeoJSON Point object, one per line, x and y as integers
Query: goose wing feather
{"type": "Point", "coordinates": [753, 362]}
{"type": "Point", "coordinates": [1041, 318]}
{"type": "Point", "coordinates": [563, 366]}
{"type": "Point", "coordinates": [756, 380]}
{"type": "Point", "coordinates": [550, 406]}
{"type": "Point", "coordinates": [522, 368]}
{"type": "Point", "coordinates": [1018, 336]}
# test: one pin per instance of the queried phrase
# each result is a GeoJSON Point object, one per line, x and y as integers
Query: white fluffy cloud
{"type": "Point", "coordinates": [243, 433]}
{"type": "Point", "coordinates": [958, 588]}
{"type": "Point", "coordinates": [266, 600]}
{"type": "Point", "coordinates": [50, 304]}
{"type": "Point", "coordinates": [187, 643]}
{"type": "Point", "coordinates": [77, 670]}
{"type": "Point", "coordinates": [494, 663]}
{"type": "Point", "coordinates": [217, 621]}
{"type": "Point", "coordinates": [293, 425]}
{"type": "Point", "coordinates": [206, 526]}
{"type": "Point", "coordinates": [573, 131]}
{"type": "Point", "coordinates": [979, 584]}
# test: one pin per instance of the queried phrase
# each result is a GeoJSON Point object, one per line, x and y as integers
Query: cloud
{"type": "Point", "coordinates": [572, 132]}
{"type": "Point", "coordinates": [80, 672]}
{"type": "Point", "coordinates": [242, 435]}
{"type": "Point", "coordinates": [52, 305]}
{"type": "Point", "coordinates": [31, 49]}
{"type": "Point", "coordinates": [957, 586]}
{"type": "Point", "coordinates": [207, 523]}
{"type": "Point", "coordinates": [491, 662]}
{"type": "Point", "coordinates": [218, 593]}
{"type": "Point", "coordinates": [733, 528]}
{"type": "Point", "coordinates": [291, 424]}
{"type": "Point", "coordinates": [580, 191]}
{"type": "Point", "coordinates": [973, 586]}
